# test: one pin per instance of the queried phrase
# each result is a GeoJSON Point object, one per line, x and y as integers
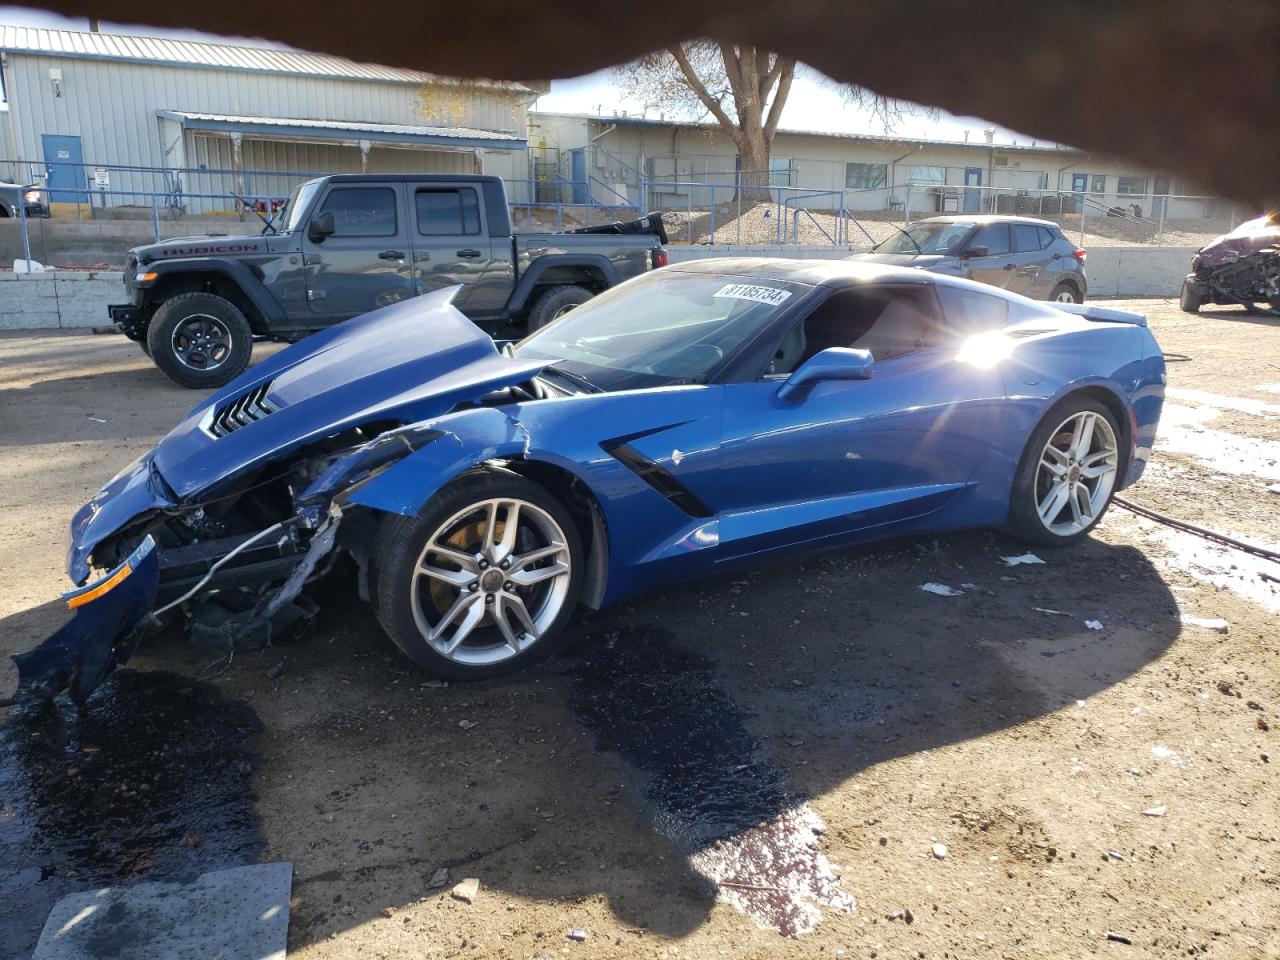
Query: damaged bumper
{"type": "Point", "coordinates": [108, 620]}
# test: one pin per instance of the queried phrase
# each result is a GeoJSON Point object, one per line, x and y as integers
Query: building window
{"type": "Point", "coordinates": [928, 174]}
{"type": "Point", "coordinates": [448, 213]}
{"type": "Point", "coordinates": [865, 176]}
{"type": "Point", "coordinates": [1132, 185]}
{"type": "Point", "coordinates": [1099, 183]}
{"type": "Point", "coordinates": [779, 171]}
{"type": "Point", "coordinates": [362, 211]}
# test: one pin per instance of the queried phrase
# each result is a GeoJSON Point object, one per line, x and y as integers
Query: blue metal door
{"type": "Point", "coordinates": [578, 173]}
{"type": "Point", "coordinates": [1079, 184]}
{"type": "Point", "coordinates": [973, 198]}
{"type": "Point", "coordinates": [64, 168]}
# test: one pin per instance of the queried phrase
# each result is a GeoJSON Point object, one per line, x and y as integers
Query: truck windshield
{"type": "Point", "coordinates": [927, 238]}
{"type": "Point", "coordinates": [297, 204]}
{"type": "Point", "coordinates": [660, 329]}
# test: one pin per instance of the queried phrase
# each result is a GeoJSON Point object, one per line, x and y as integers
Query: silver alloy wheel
{"type": "Point", "coordinates": [1065, 296]}
{"type": "Point", "coordinates": [562, 311]}
{"type": "Point", "coordinates": [1076, 474]}
{"type": "Point", "coordinates": [201, 341]}
{"type": "Point", "coordinates": [496, 575]}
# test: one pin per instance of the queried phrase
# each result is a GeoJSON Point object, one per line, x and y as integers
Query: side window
{"type": "Point", "coordinates": [995, 237]}
{"type": "Point", "coordinates": [448, 213]}
{"type": "Point", "coordinates": [969, 312]}
{"type": "Point", "coordinates": [1027, 238]}
{"type": "Point", "coordinates": [888, 321]}
{"type": "Point", "coordinates": [362, 211]}
{"type": "Point", "coordinates": [1046, 237]}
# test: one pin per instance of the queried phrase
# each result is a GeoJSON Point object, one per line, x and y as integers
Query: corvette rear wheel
{"type": "Point", "coordinates": [483, 580]}
{"type": "Point", "coordinates": [1068, 474]}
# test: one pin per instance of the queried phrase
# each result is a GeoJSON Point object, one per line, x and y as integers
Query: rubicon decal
{"type": "Point", "coordinates": [220, 248]}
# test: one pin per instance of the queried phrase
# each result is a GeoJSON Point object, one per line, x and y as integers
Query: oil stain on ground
{"type": "Point", "coordinates": [712, 791]}
{"type": "Point", "coordinates": [149, 780]}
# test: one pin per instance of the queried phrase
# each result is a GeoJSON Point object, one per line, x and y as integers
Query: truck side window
{"type": "Point", "coordinates": [362, 211]}
{"type": "Point", "coordinates": [445, 213]}
{"type": "Point", "coordinates": [969, 312]}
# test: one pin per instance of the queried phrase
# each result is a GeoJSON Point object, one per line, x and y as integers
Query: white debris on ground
{"type": "Point", "coordinates": [1093, 624]}
{"type": "Point", "coordinates": [1027, 558]}
{"type": "Point", "coordinates": [1161, 752]}
{"type": "Point", "coordinates": [941, 590]}
{"type": "Point", "coordinates": [1206, 623]}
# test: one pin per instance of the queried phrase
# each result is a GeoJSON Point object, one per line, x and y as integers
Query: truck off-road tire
{"type": "Point", "coordinates": [556, 302]}
{"type": "Point", "coordinates": [1066, 293]}
{"type": "Point", "coordinates": [199, 340]}
{"type": "Point", "coordinates": [1068, 473]}
{"type": "Point", "coordinates": [466, 594]}
{"type": "Point", "coordinates": [1189, 300]}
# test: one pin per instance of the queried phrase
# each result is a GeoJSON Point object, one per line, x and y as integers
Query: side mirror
{"type": "Point", "coordinates": [833, 363]}
{"type": "Point", "coordinates": [321, 227]}
{"type": "Point", "coordinates": [974, 252]}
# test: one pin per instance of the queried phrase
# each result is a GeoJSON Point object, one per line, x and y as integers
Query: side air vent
{"type": "Point", "coordinates": [240, 412]}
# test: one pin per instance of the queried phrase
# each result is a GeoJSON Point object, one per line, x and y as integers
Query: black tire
{"type": "Point", "coordinates": [1066, 289]}
{"type": "Point", "coordinates": [1189, 300]}
{"type": "Point", "coordinates": [227, 328]}
{"type": "Point", "coordinates": [400, 545]}
{"type": "Point", "coordinates": [1024, 517]}
{"type": "Point", "coordinates": [555, 301]}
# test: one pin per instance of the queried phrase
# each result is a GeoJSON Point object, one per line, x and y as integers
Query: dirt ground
{"type": "Point", "coordinates": [1086, 783]}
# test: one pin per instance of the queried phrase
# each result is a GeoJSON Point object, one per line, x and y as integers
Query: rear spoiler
{"type": "Point", "coordinates": [1102, 314]}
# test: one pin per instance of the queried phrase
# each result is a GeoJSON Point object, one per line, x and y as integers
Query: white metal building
{"type": "Point", "coordinates": [86, 107]}
{"type": "Point", "coordinates": [613, 155]}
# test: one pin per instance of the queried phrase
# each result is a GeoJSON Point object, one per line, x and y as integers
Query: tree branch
{"type": "Point", "coordinates": [699, 88]}
{"type": "Point", "coordinates": [786, 75]}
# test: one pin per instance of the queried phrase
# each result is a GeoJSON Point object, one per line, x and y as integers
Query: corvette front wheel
{"type": "Point", "coordinates": [483, 580]}
{"type": "Point", "coordinates": [1068, 473]}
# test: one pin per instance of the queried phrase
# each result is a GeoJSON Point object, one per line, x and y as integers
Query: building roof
{"type": "Point", "coordinates": [224, 56]}
{"type": "Point", "coordinates": [825, 134]}
{"type": "Point", "coordinates": [346, 130]}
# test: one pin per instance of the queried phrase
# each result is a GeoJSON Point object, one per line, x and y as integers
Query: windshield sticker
{"type": "Point", "coordinates": [750, 291]}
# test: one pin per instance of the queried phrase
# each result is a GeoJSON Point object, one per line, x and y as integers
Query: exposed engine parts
{"type": "Point", "coordinates": [1239, 267]}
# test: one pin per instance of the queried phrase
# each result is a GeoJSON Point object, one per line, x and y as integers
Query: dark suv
{"type": "Point", "coordinates": [1018, 254]}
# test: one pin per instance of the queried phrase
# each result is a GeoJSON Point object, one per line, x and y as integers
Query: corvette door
{"type": "Point", "coordinates": [852, 455]}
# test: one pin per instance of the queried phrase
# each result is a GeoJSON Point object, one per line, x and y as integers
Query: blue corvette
{"type": "Point", "coordinates": [694, 419]}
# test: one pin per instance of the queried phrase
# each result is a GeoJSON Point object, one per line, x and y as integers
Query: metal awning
{"type": "Point", "coordinates": [466, 137]}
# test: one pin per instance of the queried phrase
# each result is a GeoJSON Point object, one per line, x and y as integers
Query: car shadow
{"type": "Point", "coordinates": [696, 720]}
{"type": "Point", "coordinates": [1236, 314]}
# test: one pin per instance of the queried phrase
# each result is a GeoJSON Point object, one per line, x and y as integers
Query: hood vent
{"type": "Point", "coordinates": [239, 412]}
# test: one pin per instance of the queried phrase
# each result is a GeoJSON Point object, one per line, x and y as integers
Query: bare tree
{"type": "Point", "coordinates": [744, 89]}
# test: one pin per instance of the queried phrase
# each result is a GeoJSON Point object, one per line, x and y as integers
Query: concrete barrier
{"type": "Point", "coordinates": [58, 301]}
{"type": "Point", "coordinates": [73, 298]}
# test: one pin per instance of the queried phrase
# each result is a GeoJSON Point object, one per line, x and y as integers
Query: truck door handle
{"type": "Point", "coordinates": [391, 255]}
{"type": "Point", "coordinates": [469, 253]}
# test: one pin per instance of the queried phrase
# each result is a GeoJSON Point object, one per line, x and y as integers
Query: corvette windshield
{"type": "Point", "coordinates": [662, 328]}
{"type": "Point", "coordinates": [927, 238]}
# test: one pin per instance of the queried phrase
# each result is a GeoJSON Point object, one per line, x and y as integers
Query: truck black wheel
{"type": "Point", "coordinates": [199, 340]}
{"type": "Point", "coordinates": [1189, 301]}
{"type": "Point", "coordinates": [556, 302]}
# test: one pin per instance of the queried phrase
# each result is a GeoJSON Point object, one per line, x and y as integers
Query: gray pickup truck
{"type": "Point", "coordinates": [344, 245]}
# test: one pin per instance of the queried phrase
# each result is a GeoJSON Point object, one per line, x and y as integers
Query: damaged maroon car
{"type": "Point", "coordinates": [1242, 267]}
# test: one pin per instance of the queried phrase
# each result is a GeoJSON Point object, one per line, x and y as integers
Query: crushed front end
{"type": "Point", "coordinates": [228, 566]}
